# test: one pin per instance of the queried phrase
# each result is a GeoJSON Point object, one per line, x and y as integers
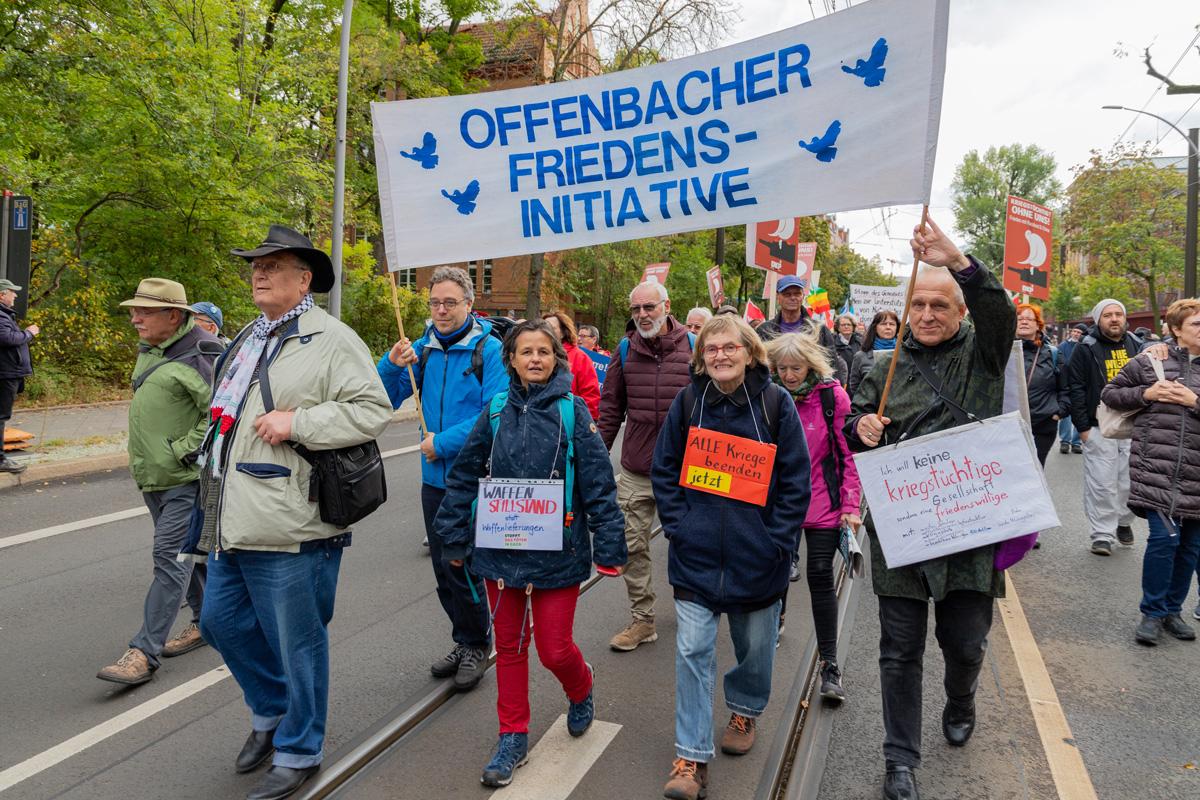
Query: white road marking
{"type": "Point", "coordinates": [77, 744]}
{"type": "Point", "coordinates": [70, 527]}
{"type": "Point", "coordinates": [117, 516]}
{"type": "Point", "coordinates": [559, 762]}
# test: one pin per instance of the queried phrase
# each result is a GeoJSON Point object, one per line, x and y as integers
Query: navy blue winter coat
{"type": "Point", "coordinates": [531, 443]}
{"type": "Point", "coordinates": [726, 554]}
{"type": "Point", "coordinates": [14, 346]}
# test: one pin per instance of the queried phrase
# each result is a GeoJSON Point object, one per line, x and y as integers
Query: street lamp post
{"type": "Point", "coordinates": [339, 164]}
{"type": "Point", "coordinates": [1193, 196]}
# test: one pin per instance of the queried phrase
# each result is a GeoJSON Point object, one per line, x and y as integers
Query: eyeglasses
{"type": "Point", "coordinates": [271, 267]}
{"type": "Point", "coordinates": [730, 350]}
{"type": "Point", "coordinates": [449, 305]}
{"type": "Point", "coordinates": [134, 313]}
{"type": "Point", "coordinates": [645, 308]}
{"type": "Point", "coordinates": [695, 327]}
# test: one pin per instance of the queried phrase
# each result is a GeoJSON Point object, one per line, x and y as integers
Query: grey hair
{"type": "Point", "coordinates": [850, 317]}
{"type": "Point", "coordinates": [590, 330]}
{"type": "Point", "coordinates": [455, 275]}
{"type": "Point", "coordinates": [941, 271]}
{"type": "Point", "coordinates": [803, 347]}
{"type": "Point", "coordinates": [658, 287]}
{"type": "Point", "coordinates": [702, 311]}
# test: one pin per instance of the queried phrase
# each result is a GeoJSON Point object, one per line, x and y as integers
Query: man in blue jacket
{"type": "Point", "coordinates": [14, 363]}
{"type": "Point", "coordinates": [458, 368]}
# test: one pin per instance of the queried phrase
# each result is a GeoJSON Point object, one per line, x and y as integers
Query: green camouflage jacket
{"type": "Point", "coordinates": [971, 367]}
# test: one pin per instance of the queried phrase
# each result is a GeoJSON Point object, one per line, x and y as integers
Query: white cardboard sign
{"type": "Point", "coordinates": [519, 514]}
{"type": "Point", "coordinates": [955, 490]}
{"type": "Point", "coordinates": [870, 300]}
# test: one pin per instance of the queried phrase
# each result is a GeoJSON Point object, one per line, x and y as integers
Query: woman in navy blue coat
{"type": "Point", "coordinates": [531, 439]}
{"type": "Point", "coordinates": [727, 555]}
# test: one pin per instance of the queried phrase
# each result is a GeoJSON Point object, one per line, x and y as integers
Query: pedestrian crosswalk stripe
{"type": "Point", "coordinates": [559, 762]}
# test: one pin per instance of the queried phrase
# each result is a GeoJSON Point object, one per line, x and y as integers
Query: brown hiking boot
{"type": "Point", "coordinates": [689, 780]}
{"type": "Point", "coordinates": [131, 669]}
{"type": "Point", "coordinates": [638, 631]}
{"type": "Point", "coordinates": [188, 640]}
{"type": "Point", "coordinates": [739, 735]}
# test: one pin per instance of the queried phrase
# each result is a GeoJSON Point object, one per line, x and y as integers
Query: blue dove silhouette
{"type": "Point", "coordinates": [871, 70]}
{"type": "Point", "coordinates": [464, 199]}
{"type": "Point", "coordinates": [426, 154]}
{"type": "Point", "coordinates": [822, 147]}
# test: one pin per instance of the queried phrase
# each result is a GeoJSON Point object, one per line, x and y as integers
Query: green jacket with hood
{"type": "Point", "coordinates": [168, 415]}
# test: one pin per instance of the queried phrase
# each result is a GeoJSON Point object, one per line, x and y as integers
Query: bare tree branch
{"type": "Point", "coordinates": [1172, 87]}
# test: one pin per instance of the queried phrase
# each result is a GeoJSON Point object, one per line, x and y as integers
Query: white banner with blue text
{"type": "Point", "coordinates": [836, 114]}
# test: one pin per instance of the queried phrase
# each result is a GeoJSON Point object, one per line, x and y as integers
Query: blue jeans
{"type": "Point", "coordinates": [1168, 565]}
{"type": "Point", "coordinates": [267, 614]}
{"type": "Point", "coordinates": [747, 685]}
{"type": "Point", "coordinates": [1067, 433]}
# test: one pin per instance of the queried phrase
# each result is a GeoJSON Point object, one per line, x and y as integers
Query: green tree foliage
{"type": "Point", "coordinates": [1066, 298]}
{"type": "Point", "coordinates": [155, 136]}
{"type": "Point", "coordinates": [367, 301]}
{"type": "Point", "coordinates": [982, 184]}
{"type": "Point", "coordinates": [1095, 288]}
{"type": "Point", "coordinates": [1127, 214]}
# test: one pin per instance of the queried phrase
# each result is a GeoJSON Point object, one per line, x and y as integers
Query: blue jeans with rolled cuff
{"type": "Point", "coordinates": [747, 684]}
{"type": "Point", "coordinates": [1168, 565]}
{"type": "Point", "coordinates": [267, 614]}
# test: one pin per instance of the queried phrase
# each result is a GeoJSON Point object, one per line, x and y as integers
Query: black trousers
{"type": "Point", "coordinates": [9, 389]}
{"type": "Point", "coordinates": [820, 547]}
{"type": "Point", "coordinates": [468, 612]}
{"type": "Point", "coordinates": [962, 622]}
{"type": "Point", "coordinates": [1045, 434]}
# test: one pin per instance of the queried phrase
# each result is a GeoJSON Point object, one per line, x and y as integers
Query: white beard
{"type": "Point", "coordinates": [654, 331]}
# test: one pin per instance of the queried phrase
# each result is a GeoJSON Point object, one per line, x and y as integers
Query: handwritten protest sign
{"type": "Point", "coordinates": [519, 514]}
{"type": "Point", "coordinates": [730, 466]}
{"type": "Point", "coordinates": [870, 300]}
{"type": "Point", "coordinates": [836, 114]}
{"type": "Point", "coordinates": [951, 491]}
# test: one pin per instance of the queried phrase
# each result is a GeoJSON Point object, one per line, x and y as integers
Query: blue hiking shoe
{"type": "Point", "coordinates": [580, 715]}
{"type": "Point", "coordinates": [512, 751]}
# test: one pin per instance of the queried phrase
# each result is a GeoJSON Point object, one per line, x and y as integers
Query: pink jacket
{"type": "Point", "coordinates": [812, 418]}
{"type": "Point", "coordinates": [584, 382]}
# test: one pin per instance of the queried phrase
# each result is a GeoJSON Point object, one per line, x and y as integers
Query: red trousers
{"type": "Point", "coordinates": [552, 613]}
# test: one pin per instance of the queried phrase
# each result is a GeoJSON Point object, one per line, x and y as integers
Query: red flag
{"type": "Point", "coordinates": [753, 312]}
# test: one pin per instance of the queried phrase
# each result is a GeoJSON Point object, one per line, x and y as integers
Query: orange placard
{"type": "Point", "coordinates": [729, 466]}
{"type": "Point", "coordinates": [1028, 240]}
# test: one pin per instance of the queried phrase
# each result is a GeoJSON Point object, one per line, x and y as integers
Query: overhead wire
{"type": "Point", "coordinates": [1159, 88]}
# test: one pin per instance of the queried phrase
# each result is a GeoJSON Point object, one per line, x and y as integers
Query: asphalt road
{"type": "Point", "coordinates": [70, 603]}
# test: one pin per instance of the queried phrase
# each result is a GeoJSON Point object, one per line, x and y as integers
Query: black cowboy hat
{"type": "Point", "coordinates": [281, 239]}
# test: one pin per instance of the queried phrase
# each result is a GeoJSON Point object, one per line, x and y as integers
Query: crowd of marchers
{"type": "Point", "coordinates": [225, 432]}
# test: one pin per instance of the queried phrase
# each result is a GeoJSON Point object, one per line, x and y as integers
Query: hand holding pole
{"type": "Point", "coordinates": [412, 379]}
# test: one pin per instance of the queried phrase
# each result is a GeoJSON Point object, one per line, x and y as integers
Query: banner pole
{"type": "Point", "coordinates": [773, 279]}
{"type": "Point", "coordinates": [412, 380]}
{"type": "Point", "coordinates": [912, 280]}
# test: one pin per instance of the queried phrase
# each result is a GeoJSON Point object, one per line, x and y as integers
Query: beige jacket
{"type": "Point", "coordinates": [324, 373]}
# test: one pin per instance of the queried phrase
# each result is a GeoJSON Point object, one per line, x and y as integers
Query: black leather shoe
{"type": "Point", "coordinates": [1175, 626]}
{"type": "Point", "coordinates": [1125, 535]}
{"type": "Point", "coordinates": [1148, 630]}
{"type": "Point", "coordinates": [257, 749]}
{"type": "Point", "coordinates": [957, 726]}
{"type": "Point", "coordinates": [281, 782]}
{"type": "Point", "coordinates": [1064, 447]}
{"type": "Point", "coordinates": [900, 783]}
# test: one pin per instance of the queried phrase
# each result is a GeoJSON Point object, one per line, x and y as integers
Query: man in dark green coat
{"type": "Point", "coordinates": [968, 359]}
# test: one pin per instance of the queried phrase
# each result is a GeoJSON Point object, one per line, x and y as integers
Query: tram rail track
{"type": "Point", "coordinates": [791, 770]}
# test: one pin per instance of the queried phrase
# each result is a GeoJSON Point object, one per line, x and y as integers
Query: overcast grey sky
{"type": "Point", "coordinates": [1033, 72]}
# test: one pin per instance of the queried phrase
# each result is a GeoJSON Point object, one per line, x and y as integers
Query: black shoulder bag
{"type": "Point", "coordinates": [347, 483]}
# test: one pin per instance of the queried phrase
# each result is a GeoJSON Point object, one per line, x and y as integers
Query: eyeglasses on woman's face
{"type": "Point", "coordinates": [729, 349]}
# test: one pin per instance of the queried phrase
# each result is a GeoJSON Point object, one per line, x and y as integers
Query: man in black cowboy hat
{"type": "Point", "coordinates": [273, 570]}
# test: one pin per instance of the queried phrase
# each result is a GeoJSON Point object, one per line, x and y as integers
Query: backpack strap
{"type": "Point", "coordinates": [1054, 357]}
{"type": "Point", "coordinates": [477, 359]}
{"type": "Point", "coordinates": [499, 400]}
{"type": "Point", "coordinates": [202, 347]}
{"type": "Point", "coordinates": [623, 351]}
{"type": "Point", "coordinates": [566, 410]}
{"type": "Point", "coordinates": [831, 465]}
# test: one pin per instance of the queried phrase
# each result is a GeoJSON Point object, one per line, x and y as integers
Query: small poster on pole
{"type": "Point", "coordinates": [955, 490]}
{"type": "Point", "coordinates": [716, 287]}
{"type": "Point", "coordinates": [519, 514]}
{"type": "Point", "coordinates": [656, 272]}
{"type": "Point", "coordinates": [1027, 243]}
{"type": "Point", "coordinates": [772, 245]}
